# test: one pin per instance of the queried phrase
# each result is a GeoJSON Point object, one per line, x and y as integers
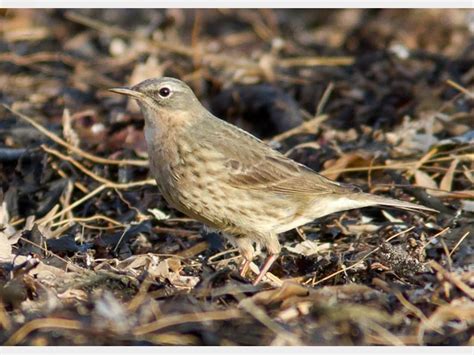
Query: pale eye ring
{"type": "Point", "coordinates": [164, 92]}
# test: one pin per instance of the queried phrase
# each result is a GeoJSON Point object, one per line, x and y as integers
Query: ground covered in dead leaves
{"type": "Point", "coordinates": [90, 254]}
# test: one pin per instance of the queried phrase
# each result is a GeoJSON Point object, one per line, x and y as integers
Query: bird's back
{"type": "Point", "coordinates": [229, 179]}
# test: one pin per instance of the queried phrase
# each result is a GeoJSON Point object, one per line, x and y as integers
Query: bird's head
{"type": "Point", "coordinates": [161, 95]}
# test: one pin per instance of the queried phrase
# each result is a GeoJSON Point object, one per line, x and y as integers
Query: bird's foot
{"type": "Point", "coordinates": [266, 266]}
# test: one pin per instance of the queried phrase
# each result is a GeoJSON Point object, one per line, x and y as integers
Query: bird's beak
{"type": "Point", "coordinates": [129, 92]}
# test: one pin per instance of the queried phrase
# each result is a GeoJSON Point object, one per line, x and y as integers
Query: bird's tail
{"type": "Point", "coordinates": [366, 200]}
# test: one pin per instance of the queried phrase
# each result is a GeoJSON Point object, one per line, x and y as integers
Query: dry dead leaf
{"type": "Point", "coordinates": [467, 205]}
{"type": "Point", "coordinates": [169, 269]}
{"type": "Point", "coordinates": [447, 181]}
{"type": "Point", "coordinates": [355, 229]}
{"type": "Point", "coordinates": [333, 167]}
{"type": "Point", "coordinates": [183, 282]}
{"type": "Point", "coordinates": [288, 289]}
{"type": "Point", "coordinates": [175, 264]}
{"type": "Point", "coordinates": [422, 179]}
{"type": "Point", "coordinates": [49, 275]}
{"type": "Point", "coordinates": [5, 249]}
{"type": "Point", "coordinates": [74, 294]}
{"type": "Point", "coordinates": [5, 232]}
{"type": "Point", "coordinates": [391, 218]}
{"type": "Point", "coordinates": [308, 248]}
{"type": "Point", "coordinates": [158, 214]}
{"type": "Point", "coordinates": [462, 312]}
{"type": "Point", "coordinates": [139, 261]}
{"type": "Point", "coordinates": [69, 134]}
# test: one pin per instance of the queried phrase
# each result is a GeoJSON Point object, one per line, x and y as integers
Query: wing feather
{"type": "Point", "coordinates": [277, 173]}
{"type": "Point", "coordinates": [259, 167]}
{"type": "Point", "coordinates": [248, 163]}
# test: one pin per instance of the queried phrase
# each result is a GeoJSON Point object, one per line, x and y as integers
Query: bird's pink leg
{"type": "Point", "coordinates": [266, 265]}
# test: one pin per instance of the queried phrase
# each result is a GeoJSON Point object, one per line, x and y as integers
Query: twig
{"type": "Point", "coordinates": [259, 314]}
{"type": "Point", "coordinates": [88, 219]}
{"type": "Point", "coordinates": [61, 173]}
{"type": "Point", "coordinates": [324, 99]}
{"type": "Point", "coordinates": [121, 238]}
{"type": "Point", "coordinates": [412, 308]}
{"type": "Point", "coordinates": [405, 303]}
{"type": "Point", "coordinates": [435, 236]}
{"type": "Point", "coordinates": [75, 204]}
{"type": "Point", "coordinates": [220, 60]}
{"type": "Point", "coordinates": [453, 279]}
{"type": "Point", "coordinates": [95, 227]}
{"type": "Point", "coordinates": [33, 58]}
{"type": "Point", "coordinates": [76, 164]}
{"type": "Point", "coordinates": [176, 319]}
{"type": "Point", "coordinates": [42, 323]}
{"type": "Point", "coordinates": [212, 258]}
{"type": "Point", "coordinates": [391, 338]}
{"type": "Point", "coordinates": [140, 216]}
{"type": "Point", "coordinates": [361, 260]}
{"type": "Point", "coordinates": [448, 256]}
{"type": "Point", "coordinates": [117, 31]}
{"type": "Point", "coordinates": [311, 145]}
{"type": "Point", "coordinates": [425, 158]}
{"type": "Point", "coordinates": [460, 88]}
{"type": "Point", "coordinates": [194, 250]}
{"type": "Point", "coordinates": [379, 340]}
{"type": "Point", "coordinates": [5, 321]}
{"type": "Point", "coordinates": [458, 243]}
{"type": "Point", "coordinates": [315, 61]}
{"type": "Point", "coordinates": [73, 266]}
{"type": "Point", "coordinates": [105, 182]}
{"type": "Point", "coordinates": [76, 150]}
{"type": "Point", "coordinates": [96, 191]}
{"type": "Point", "coordinates": [175, 231]}
{"type": "Point", "coordinates": [399, 166]}
{"type": "Point", "coordinates": [305, 127]}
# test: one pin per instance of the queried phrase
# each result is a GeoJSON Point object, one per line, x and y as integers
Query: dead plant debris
{"type": "Point", "coordinates": [90, 254]}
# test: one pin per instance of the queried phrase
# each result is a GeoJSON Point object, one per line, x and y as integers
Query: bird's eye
{"type": "Point", "coordinates": [164, 92]}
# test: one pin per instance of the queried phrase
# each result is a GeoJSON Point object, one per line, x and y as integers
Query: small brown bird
{"type": "Point", "coordinates": [230, 180]}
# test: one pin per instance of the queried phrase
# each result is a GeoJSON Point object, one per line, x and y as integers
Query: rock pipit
{"type": "Point", "coordinates": [230, 180]}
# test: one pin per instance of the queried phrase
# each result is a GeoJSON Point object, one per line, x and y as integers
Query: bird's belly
{"type": "Point", "coordinates": [232, 210]}
{"type": "Point", "coordinates": [201, 192]}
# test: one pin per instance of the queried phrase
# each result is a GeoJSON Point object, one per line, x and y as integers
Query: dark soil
{"type": "Point", "coordinates": [91, 254]}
